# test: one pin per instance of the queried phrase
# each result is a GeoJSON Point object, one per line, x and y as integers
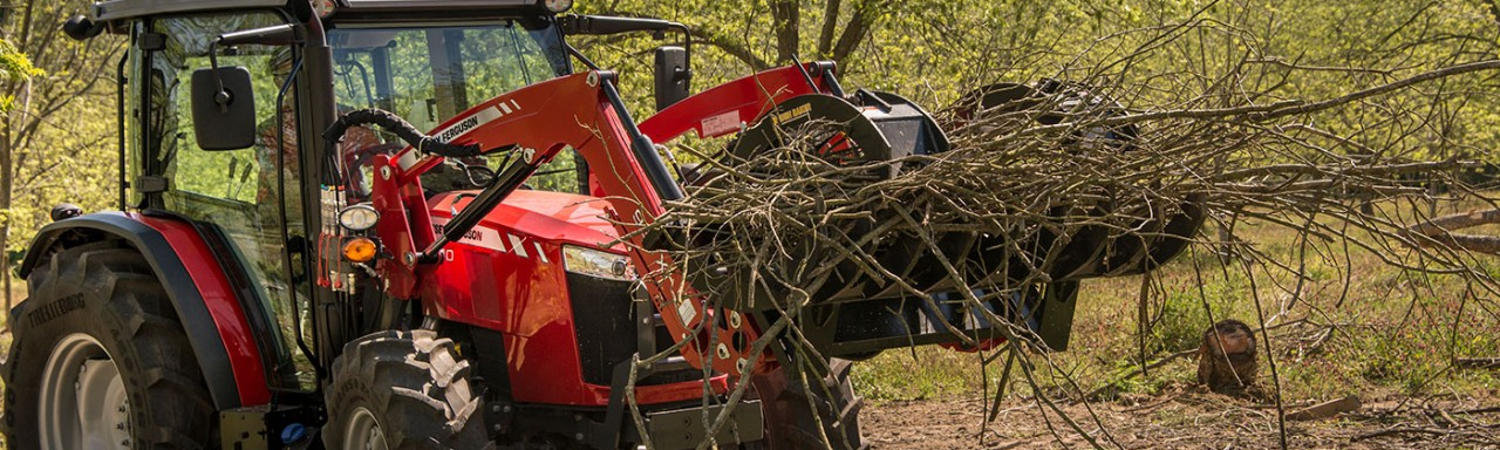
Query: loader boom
{"type": "Point", "coordinates": [539, 121]}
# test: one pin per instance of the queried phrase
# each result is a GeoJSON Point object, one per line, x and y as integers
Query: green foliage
{"type": "Point", "coordinates": [1180, 323]}
{"type": "Point", "coordinates": [914, 374]}
{"type": "Point", "coordinates": [14, 66]}
{"type": "Point", "coordinates": [56, 121]}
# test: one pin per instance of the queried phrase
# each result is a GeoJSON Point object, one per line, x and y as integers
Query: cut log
{"type": "Point", "coordinates": [1456, 222]}
{"type": "Point", "coordinates": [1326, 409]}
{"type": "Point", "coordinates": [1478, 363]}
{"type": "Point", "coordinates": [1440, 231]}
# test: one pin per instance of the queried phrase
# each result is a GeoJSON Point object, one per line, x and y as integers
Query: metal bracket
{"type": "Point", "coordinates": [151, 42]}
{"type": "Point", "coordinates": [150, 184]}
{"type": "Point", "coordinates": [261, 427]}
{"type": "Point", "coordinates": [1058, 302]}
{"type": "Point", "coordinates": [680, 428]}
{"type": "Point", "coordinates": [243, 428]}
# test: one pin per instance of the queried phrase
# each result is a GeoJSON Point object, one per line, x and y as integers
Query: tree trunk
{"type": "Point", "coordinates": [855, 31]}
{"type": "Point", "coordinates": [7, 177]}
{"type": "Point", "coordinates": [830, 22]}
{"type": "Point", "coordinates": [5, 273]}
{"type": "Point", "coordinates": [786, 16]}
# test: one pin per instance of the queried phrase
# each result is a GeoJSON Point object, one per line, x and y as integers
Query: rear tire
{"type": "Point", "coordinates": [405, 390]}
{"type": "Point", "coordinates": [97, 315]}
{"type": "Point", "coordinates": [794, 412]}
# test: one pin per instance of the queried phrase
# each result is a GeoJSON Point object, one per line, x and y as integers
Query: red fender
{"type": "Point", "coordinates": [206, 303]}
{"type": "Point", "coordinates": [222, 303]}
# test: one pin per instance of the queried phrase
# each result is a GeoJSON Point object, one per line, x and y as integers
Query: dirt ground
{"type": "Point", "coordinates": [1185, 418]}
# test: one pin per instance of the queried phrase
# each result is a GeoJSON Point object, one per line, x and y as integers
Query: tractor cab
{"type": "Point", "coordinates": [257, 180]}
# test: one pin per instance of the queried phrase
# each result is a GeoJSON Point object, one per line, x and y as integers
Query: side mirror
{"type": "Point", "coordinates": [80, 28]}
{"type": "Point", "coordinates": [672, 76]}
{"type": "Point", "coordinates": [223, 97]}
{"type": "Point", "coordinates": [223, 108]}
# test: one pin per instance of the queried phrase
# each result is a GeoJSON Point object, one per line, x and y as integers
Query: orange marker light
{"type": "Point", "coordinates": [359, 249]}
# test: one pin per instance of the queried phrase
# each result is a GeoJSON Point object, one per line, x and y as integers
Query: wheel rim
{"type": "Point", "coordinates": [84, 405]}
{"type": "Point", "coordinates": [363, 432]}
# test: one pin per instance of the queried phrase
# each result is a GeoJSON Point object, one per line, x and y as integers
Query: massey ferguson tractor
{"type": "Point", "coordinates": [405, 224]}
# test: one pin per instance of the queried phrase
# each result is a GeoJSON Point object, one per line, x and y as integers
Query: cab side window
{"type": "Point", "coordinates": [237, 192]}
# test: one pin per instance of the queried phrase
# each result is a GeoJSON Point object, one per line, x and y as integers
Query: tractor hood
{"type": "Point", "coordinates": [549, 216]}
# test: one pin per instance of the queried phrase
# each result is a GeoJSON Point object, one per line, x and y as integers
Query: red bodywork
{"type": "Point", "coordinates": [484, 280]}
{"type": "Point", "coordinates": [218, 296]}
{"type": "Point", "coordinates": [509, 277]}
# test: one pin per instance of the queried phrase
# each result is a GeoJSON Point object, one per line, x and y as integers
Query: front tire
{"type": "Point", "coordinates": [403, 390]}
{"type": "Point", "coordinates": [100, 360]}
{"type": "Point", "coordinates": [822, 414]}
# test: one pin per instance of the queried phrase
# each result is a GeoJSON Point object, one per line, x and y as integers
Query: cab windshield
{"type": "Point", "coordinates": [427, 74]}
{"type": "Point", "coordinates": [430, 73]}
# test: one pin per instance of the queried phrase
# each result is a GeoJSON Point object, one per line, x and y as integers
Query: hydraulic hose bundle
{"type": "Point", "coordinates": [401, 128]}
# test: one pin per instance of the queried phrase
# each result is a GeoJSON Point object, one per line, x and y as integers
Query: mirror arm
{"type": "Point", "coordinates": [574, 24]}
{"type": "Point", "coordinates": [687, 47]}
{"type": "Point", "coordinates": [601, 25]}
{"type": "Point", "coordinates": [221, 95]}
{"type": "Point", "coordinates": [286, 34]}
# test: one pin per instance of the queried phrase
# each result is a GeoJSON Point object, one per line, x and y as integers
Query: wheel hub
{"type": "Point", "coordinates": [83, 400]}
{"type": "Point", "coordinates": [363, 432]}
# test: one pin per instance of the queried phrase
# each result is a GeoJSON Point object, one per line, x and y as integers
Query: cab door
{"type": "Point", "coordinates": [245, 202]}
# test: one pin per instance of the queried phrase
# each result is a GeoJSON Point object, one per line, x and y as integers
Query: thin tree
{"type": "Point", "coordinates": [54, 71]}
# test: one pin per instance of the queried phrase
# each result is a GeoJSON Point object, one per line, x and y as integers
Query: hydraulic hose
{"type": "Point", "coordinates": [395, 124]}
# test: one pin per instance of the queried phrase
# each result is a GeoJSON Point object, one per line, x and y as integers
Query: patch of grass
{"type": "Point", "coordinates": [918, 373]}
{"type": "Point", "coordinates": [1180, 324]}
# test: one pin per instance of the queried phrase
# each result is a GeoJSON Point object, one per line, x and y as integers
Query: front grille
{"type": "Point", "coordinates": [604, 323]}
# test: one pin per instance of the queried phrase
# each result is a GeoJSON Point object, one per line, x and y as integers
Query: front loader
{"type": "Point", "coordinates": [415, 224]}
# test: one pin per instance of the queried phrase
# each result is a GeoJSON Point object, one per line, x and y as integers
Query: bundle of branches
{"type": "Point", "coordinates": [1057, 182]}
{"type": "Point", "coordinates": [1166, 139]}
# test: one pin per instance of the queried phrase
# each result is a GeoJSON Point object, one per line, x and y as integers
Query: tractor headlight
{"type": "Point", "coordinates": [594, 263]}
{"type": "Point", "coordinates": [358, 217]}
{"type": "Point", "coordinates": [558, 6]}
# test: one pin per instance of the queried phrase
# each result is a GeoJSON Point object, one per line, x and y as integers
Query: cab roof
{"type": "Point", "coordinates": [126, 9]}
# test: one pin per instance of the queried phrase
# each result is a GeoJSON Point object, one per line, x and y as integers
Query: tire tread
{"type": "Point", "coordinates": [126, 306]}
{"type": "Point", "coordinates": [418, 387]}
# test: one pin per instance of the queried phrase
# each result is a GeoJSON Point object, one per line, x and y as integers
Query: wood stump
{"type": "Point", "coordinates": [1226, 360]}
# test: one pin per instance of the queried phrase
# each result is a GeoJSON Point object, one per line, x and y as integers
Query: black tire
{"type": "Point", "coordinates": [108, 293]}
{"type": "Point", "coordinates": [414, 384]}
{"type": "Point", "coordinates": [794, 412]}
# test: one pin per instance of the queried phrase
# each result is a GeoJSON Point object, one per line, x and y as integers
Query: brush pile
{"type": "Point", "coordinates": [1047, 183]}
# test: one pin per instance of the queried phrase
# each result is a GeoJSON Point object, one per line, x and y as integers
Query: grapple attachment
{"type": "Point", "coordinates": [875, 277]}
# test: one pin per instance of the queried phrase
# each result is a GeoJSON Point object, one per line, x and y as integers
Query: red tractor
{"type": "Point", "coordinates": [295, 265]}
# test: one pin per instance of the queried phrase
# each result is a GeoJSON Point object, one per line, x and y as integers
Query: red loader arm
{"type": "Point", "coordinates": [730, 106]}
{"type": "Point", "coordinates": [582, 112]}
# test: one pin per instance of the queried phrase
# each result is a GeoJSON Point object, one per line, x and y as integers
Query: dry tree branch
{"type": "Point", "coordinates": [1065, 184]}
